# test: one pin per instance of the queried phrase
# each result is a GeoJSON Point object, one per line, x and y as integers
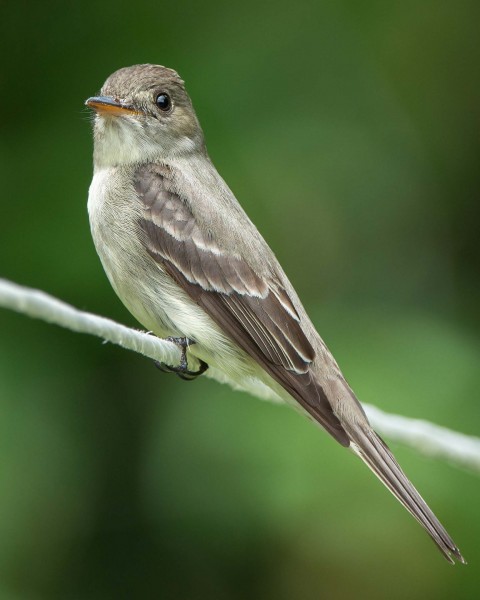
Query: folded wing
{"type": "Point", "coordinates": [254, 311]}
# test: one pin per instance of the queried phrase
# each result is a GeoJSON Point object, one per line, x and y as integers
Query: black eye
{"type": "Point", "coordinates": [163, 102]}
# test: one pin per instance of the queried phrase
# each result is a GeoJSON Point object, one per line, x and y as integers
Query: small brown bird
{"type": "Point", "coordinates": [189, 264]}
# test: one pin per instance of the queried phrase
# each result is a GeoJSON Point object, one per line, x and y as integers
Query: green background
{"type": "Point", "coordinates": [349, 131]}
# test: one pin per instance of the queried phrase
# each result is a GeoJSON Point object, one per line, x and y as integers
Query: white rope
{"type": "Point", "coordinates": [423, 436]}
{"type": "Point", "coordinates": [39, 305]}
{"type": "Point", "coordinates": [427, 438]}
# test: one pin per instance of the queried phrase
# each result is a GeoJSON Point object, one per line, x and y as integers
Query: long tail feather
{"type": "Point", "coordinates": [370, 447]}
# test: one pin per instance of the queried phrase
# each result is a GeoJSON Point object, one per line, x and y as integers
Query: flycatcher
{"type": "Point", "coordinates": [188, 263]}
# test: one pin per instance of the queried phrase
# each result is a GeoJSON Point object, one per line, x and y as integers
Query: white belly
{"type": "Point", "coordinates": [148, 291]}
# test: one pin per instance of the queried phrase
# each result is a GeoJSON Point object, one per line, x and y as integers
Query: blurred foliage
{"type": "Point", "coordinates": [349, 132]}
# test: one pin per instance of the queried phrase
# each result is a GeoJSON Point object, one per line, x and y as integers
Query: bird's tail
{"type": "Point", "coordinates": [370, 447]}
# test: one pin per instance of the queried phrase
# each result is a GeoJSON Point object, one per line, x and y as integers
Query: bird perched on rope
{"type": "Point", "coordinates": [190, 265]}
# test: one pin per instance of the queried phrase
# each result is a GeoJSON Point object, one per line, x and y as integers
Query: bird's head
{"type": "Point", "coordinates": [143, 113]}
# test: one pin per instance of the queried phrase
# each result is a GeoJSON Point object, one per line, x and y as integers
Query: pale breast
{"type": "Point", "coordinates": [141, 283]}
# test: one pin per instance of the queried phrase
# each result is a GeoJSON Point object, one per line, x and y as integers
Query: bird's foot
{"type": "Point", "coordinates": [182, 370]}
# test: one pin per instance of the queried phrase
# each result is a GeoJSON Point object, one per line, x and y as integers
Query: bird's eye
{"type": "Point", "coordinates": [163, 102]}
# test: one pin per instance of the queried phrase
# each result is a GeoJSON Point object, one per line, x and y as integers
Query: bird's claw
{"type": "Point", "coordinates": [182, 370]}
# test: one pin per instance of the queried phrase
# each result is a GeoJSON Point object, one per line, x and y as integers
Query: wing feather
{"type": "Point", "coordinates": [255, 311]}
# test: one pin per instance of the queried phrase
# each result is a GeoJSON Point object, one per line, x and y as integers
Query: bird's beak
{"type": "Point", "coordinates": [110, 106]}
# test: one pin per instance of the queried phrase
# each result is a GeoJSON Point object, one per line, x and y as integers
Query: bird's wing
{"type": "Point", "coordinates": [258, 315]}
{"type": "Point", "coordinates": [254, 311]}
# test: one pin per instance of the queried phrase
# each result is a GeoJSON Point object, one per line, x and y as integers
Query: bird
{"type": "Point", "coordinates": [191, 267]}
